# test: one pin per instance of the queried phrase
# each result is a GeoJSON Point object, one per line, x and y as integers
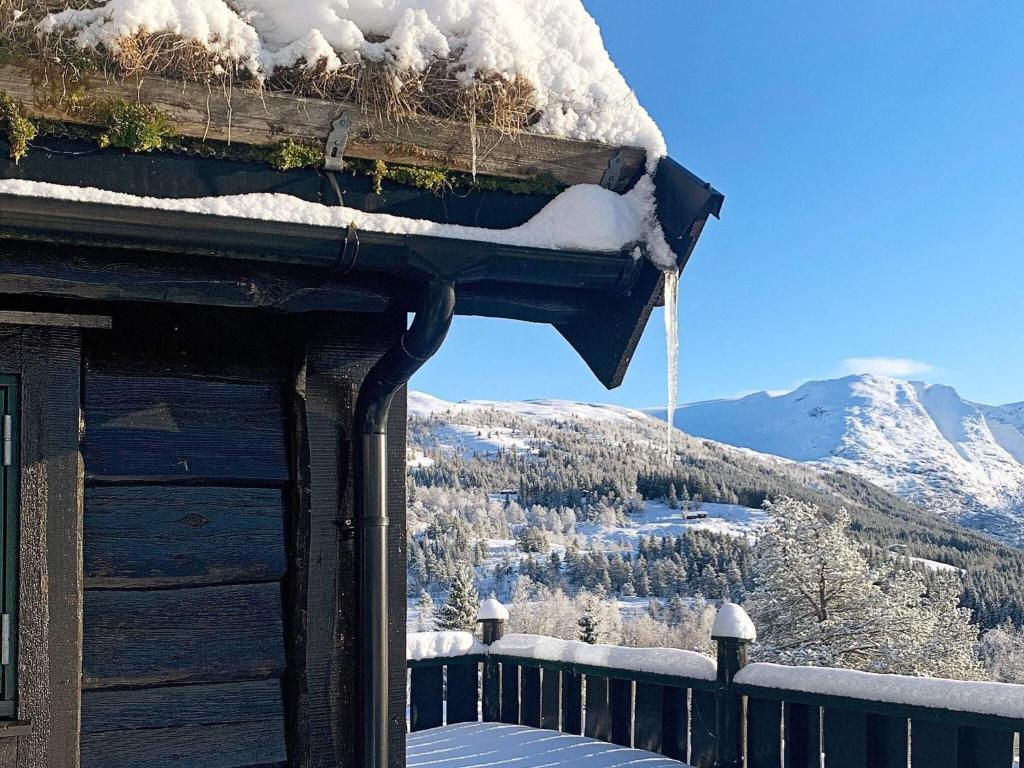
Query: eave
{"type": "Point", "coordinates": [599, 301]}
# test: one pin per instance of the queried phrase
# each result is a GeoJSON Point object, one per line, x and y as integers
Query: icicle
{"type": "Point", "coordinates": [672, 350]}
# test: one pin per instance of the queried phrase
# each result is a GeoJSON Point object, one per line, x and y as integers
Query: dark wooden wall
{"type": "Point", "coordinates": [219, 548]}
{"type": "Point", "coordinates": [186, 476]}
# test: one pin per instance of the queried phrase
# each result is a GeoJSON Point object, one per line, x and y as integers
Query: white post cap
{"type": "Point", "coordinates": [492, 609]}
{"type": "Point", "coordinates": [733, 623]}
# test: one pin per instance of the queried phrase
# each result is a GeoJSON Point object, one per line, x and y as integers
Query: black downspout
{"type": "Point", "coordinates": [416, 346]}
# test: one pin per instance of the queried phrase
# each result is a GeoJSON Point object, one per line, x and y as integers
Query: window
{"type": "Point", "coordinates": [9, 464]}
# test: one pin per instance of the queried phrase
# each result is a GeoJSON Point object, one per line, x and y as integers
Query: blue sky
{"type": "Point", "coordinates": [872, 158]}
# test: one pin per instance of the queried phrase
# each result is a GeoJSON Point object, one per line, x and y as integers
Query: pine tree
{"type": "Point", "coordinates": [459, 611]}
{"type": "Point", "coordinates": [816, 600]}
{"type": "Point", "coordinates": [672, 499]}
{"type": "Point", "coordinates": [425, 612]}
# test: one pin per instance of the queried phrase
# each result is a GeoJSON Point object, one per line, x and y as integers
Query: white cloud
{"type": "Point", "coordinates": [896, 367]}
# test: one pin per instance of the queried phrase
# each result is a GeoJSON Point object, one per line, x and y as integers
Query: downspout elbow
{"type": "Point", "coordinates": [417, 345]}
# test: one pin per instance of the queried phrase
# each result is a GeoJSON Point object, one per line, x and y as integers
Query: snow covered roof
{"type": "Point", "coordinates": [553, 45]}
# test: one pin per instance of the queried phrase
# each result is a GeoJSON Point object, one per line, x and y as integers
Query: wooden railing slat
{"type": "Point", "coordinates": [982, 748]}
{"type": "Point", "coordinates": [463, 693]}
{"type": "Point", "coordinates": [620, 701]}
{"type": "Point", "coordinates": [572, 703]}
{"type": "Point", "coordinates": [491, 693]}
{"type": "Point", "coordinates": [529, 696]}
{"type": "Point", "coordinates": [675, 723]}
{"type": "Point", "coordinates": [887, 741]}
{"type": "Point", "coordinates": [550, 699]}
{"type": "Point", "coordinates": [764, 733]}
{"type": "Point", "coordinates": [845, 739]}
{"type": "Point", "coordinates": [598, 721]}
{"type": "Point", "coordinates": [932, 745]}
{"type": "Point", "coordinates": [803, 740]}
{"type": "Point", "coordinates": [647, 717]}
{"type": "Point", "coordinates": [426, 698]}
{"type": "Point", "coordinates": [510, 694]}
{"type": "Point", "coordinates": [703, 715]}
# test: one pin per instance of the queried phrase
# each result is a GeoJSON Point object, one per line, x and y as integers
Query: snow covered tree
{"type": "Point", "coordinates": [424, 612]}
{"type": "Point", "coordinates": [599, 620]}
{"type": "Point", "coordinates": [671, 498]}
{"type": "Point", "coordinates": [1002, 653]}
{"type": "Point", "coordinates": [817, 601]}
{"type": "Point", "coordinates": [459, 611]}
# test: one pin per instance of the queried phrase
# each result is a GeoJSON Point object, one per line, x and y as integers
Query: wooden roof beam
{"type": "Point", "coordinates": [261, 118]}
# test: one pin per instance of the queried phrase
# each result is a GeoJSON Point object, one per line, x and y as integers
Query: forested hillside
{"type": "Point", "coordinates": [579, 497]}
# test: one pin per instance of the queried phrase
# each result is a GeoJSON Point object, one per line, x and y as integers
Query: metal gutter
{"type": "Point", "coordinates": [337, 248]}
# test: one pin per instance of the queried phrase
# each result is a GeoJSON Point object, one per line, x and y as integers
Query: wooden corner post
{"type": "Point", "coordinates": [492, 617]}
{"type": "Point", "coordinates": [732, 632]}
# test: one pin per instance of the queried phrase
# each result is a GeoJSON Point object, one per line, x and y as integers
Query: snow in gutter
{"type": "Point", "coordinates": [584, 217]}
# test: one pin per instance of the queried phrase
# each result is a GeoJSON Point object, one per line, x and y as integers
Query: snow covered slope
{"type": "Point", "coordinates": [921, 441]}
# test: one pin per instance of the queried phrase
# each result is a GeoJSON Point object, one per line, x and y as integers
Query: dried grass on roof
{"type": "Point", "coordinates": [379, 88]}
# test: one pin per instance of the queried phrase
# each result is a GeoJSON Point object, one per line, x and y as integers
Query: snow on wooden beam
{"type": "Point", "coordinates": [248, 117]}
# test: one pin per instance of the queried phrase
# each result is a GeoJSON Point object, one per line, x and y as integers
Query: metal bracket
{"type": "Point", "coordinates": [8, 441]}
{"type": "Point", "coordinates": [612, 178]}
{"type": "Point", "coordinates": [337, 140]}
{"type": "Point", "coordinates": [5, 640]}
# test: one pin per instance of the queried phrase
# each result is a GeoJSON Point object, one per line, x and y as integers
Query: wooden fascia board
{"type": "Point", "coordinates": [260, 118]}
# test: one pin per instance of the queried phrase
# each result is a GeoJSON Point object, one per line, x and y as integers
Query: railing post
{"type": "Point", "coordinates": [732, 632]}
{"type": "Point", "coordinates": [492, 617]}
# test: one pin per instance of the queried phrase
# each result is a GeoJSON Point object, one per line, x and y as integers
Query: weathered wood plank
{"type": "Point", "coordinates": [155, 536]}
{"type": "Point", "coordinates": [171, 705]}
{"type": "Point", "coordinates": [648, 717]}
{"type": "Point", "coordinates": [845, 739]}
{"type": "Point", "coordinates": [572, 703]}
{"type": "Point", "coordinates": [232, 745]}
{"type": "Point", "coordinates": [620, 701]}
{"type": "Point", "coordinates": [50, 644]}
{"type": "Point", "coordinates": [933, 745]}
{"type": "Point", "coordinates": [984, 748]}
{"type": "Point", "coordinates": [510, 694]}
{"type": "Point", "coordinates": [529, 696]}
{"type": "Point", "coordinates": [200, 634]}
{"type": "Point", "coordinates": [764, 733]}
{"type": "Point", "coordinates": [54, 320]}
{"type": "Point", "coordinates": [702, 728]}
{"type": "Point", "coordinates": [253, 118]}
{"type": "Point", "coordinates": [426, 698]}
{"type": "Point", "coordinates": [550, 699]}
{"type": "Point", "coordinates": [598, 723]}
{"type": "Point", "coordinates": [675, 723]}
{"type": "Point", "coordinates": [887, 741]}
{"type": "Point", "coordinates": [463, 687]}
{"type": "Point", "coordinates": [9, 753]}
{"type": "Point", "coordinates": [178, 428]}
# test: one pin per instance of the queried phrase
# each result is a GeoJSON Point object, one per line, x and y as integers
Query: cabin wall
{"type": "Point", "coordinates": [188, 559]}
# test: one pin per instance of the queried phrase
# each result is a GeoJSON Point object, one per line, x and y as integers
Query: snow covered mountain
{"type": "Point", "coordinates": [923, 442]}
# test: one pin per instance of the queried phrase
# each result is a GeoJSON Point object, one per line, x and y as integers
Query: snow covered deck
{"type": "Point", "coordinates": [483, 745]}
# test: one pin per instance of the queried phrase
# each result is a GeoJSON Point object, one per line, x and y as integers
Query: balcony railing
{"type": "Point", "coordinates": [727, 714]}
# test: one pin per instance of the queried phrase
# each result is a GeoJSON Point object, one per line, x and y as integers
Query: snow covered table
{"type": "Point", "coordinates": [483, 745]}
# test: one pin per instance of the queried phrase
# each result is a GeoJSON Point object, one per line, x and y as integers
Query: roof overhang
{"type": "Point", "coordinates": [599, 301]}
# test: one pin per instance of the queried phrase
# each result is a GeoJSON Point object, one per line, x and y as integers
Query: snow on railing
{"type": "Point", "coordinates": [420, 646]}
{"type": "Point", "coordinates": [983, 698]}
{"type": "Point", "coordinates": [692, 709]}
{"type": "Point", "coordinates": [658, 661]}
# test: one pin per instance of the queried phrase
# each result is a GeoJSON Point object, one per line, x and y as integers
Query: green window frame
{"type": "Point", "coordinates": [10, 463]}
